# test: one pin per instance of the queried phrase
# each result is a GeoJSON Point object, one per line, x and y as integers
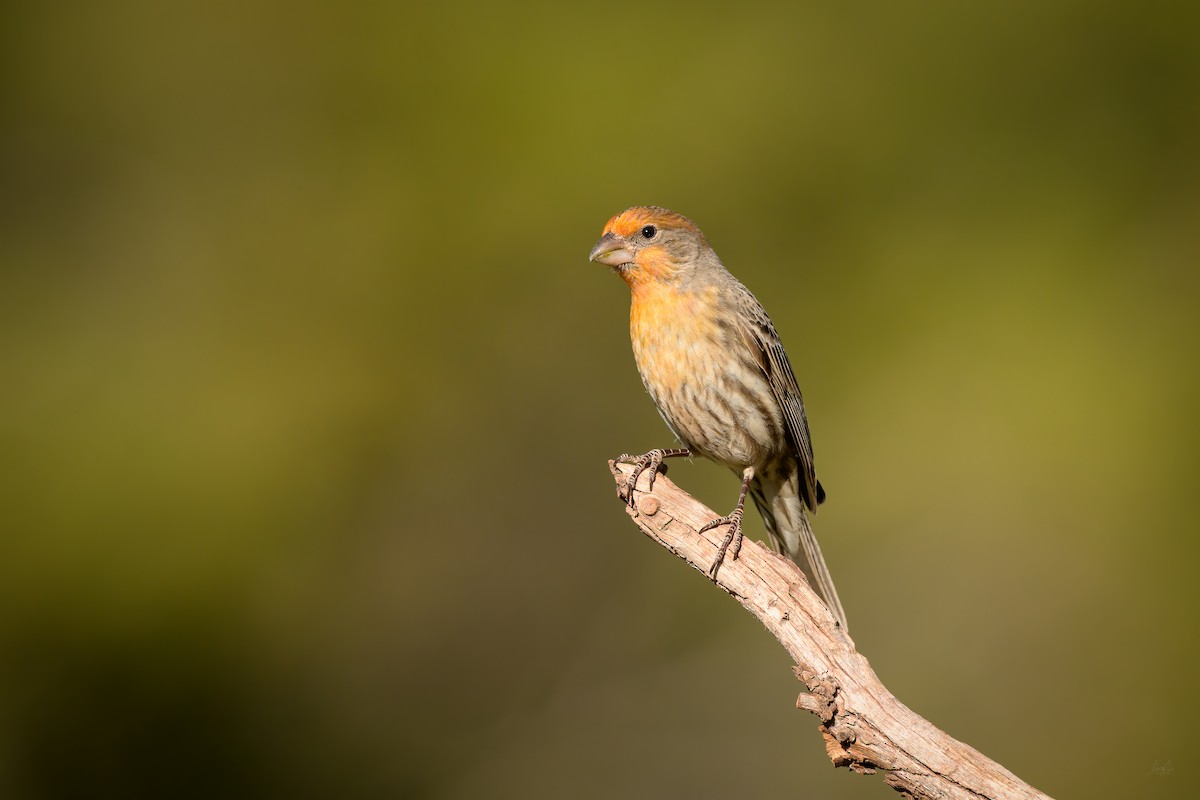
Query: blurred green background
{"type": "Point", "coordinates": [308, 389]}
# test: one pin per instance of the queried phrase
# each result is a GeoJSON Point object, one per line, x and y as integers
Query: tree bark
{"type": "Point", "coordinates": [865, 727]}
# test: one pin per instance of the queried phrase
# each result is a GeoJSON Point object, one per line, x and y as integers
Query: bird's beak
{"type": "Point", "coordinates": [612, 251]}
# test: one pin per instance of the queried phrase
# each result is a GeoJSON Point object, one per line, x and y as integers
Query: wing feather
{"type": "Point", "coordinates": [764, 341]}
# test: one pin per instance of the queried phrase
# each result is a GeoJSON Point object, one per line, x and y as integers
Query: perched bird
{"type": "Point", "coordinates": [715, 367]}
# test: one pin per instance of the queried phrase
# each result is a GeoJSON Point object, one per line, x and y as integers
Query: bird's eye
{"type": "Point", "coordinates": [649, 231]}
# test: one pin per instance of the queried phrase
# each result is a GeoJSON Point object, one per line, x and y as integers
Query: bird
{"type": "Point", "coordinates": [714, 365]}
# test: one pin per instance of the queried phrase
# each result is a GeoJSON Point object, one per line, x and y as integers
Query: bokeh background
{"type": "Point", "coordinates": [308, 388]}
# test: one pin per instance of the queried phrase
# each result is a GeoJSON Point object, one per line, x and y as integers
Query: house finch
{"type": "Point", "coordinates": [715, 367]}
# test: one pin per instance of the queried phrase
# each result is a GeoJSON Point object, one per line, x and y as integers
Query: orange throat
{"type": "Point", "coordinates": [653, 267]}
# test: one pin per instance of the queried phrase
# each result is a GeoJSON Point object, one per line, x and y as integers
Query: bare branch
{"type": "Point", "coordinates": [865, 727]}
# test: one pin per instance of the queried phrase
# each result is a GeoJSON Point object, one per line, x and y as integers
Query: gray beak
{"type": "Point", "coordinates": [612, 251]}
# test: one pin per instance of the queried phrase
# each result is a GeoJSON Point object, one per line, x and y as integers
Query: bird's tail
{"type": "Point", "coordinates": [791, 533]}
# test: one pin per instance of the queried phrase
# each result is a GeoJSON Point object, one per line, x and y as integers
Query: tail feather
{"type": "Point", "coordinates": [791, 533]}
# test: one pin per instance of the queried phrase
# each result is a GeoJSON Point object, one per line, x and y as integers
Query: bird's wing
{"type": "Point", "coordinates": [767, 348]}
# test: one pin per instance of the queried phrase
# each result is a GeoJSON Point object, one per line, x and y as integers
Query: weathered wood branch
{"type": "Point", "coordinates": [865, 727]}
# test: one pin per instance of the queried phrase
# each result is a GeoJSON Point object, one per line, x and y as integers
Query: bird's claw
{"type": "Point", "coordinates": [732, 537]}
{"type": "Point", "coordinates": [648, 461]}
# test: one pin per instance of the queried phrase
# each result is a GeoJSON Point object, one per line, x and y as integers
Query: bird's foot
{"type": "Point", "coordinates": [732, 537]}
{"type": "Point", "coordinates": [649, 461]}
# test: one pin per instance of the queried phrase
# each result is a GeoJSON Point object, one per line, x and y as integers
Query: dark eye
{"type": "Point", "coordinates": [649, 231]}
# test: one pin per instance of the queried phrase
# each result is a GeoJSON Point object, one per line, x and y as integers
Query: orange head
{"type": "Point", "coordinates": [649, 243]}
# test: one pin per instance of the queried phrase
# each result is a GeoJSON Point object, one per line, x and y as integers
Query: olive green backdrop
{"type": "Point", "coordinates": [308, 387]}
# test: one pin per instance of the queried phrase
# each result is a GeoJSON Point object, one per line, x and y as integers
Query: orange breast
{"type": "Point", "coordinates": [702, 383]}
{"type": "Point", "coordinates": [674, 336]}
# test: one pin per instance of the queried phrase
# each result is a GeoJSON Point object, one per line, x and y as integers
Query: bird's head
{"type": "Point", "coordinates": [647, 243]}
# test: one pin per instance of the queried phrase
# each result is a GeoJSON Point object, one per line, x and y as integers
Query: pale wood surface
{"type": "Point", "coordinates": [865, 727]}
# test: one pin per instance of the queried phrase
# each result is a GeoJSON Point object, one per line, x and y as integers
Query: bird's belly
{"type": "Point", "coordinates": [710, 392]}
